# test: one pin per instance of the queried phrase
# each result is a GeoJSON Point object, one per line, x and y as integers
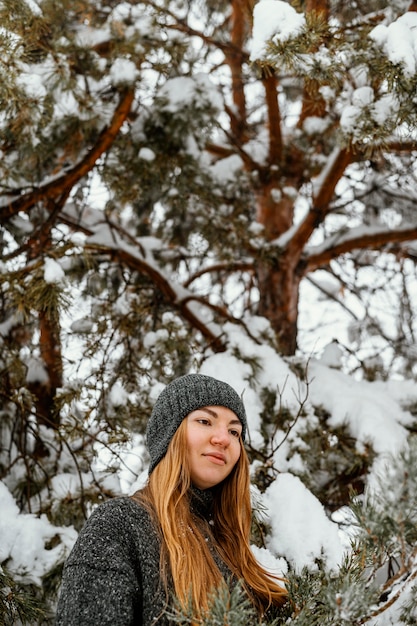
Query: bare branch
{"type": "Point", "coordinates": [274, 119]}
{"type": "Point", "coordinates": [321, 201]}
{"type": "Point", "coordinates": [233, 266]}
{"type": "Point", "coordinates": [375, 240]}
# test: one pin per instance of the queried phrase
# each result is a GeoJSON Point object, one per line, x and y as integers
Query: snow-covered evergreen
{"type": "Point", "coordinates": [226, 188]}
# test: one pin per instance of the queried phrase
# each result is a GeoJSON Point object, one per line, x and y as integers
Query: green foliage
{"type": "Point", "coordinates": [18, 604]}
{"type": "Point", "coordinates": [164, 236]}
{"type": "Point", "coordinates": [339, 54]}
{"type": "Point", "coordinates": [225, 609]}
{"type": "Point", "coordinates": [387, 519]}
{"type": "Point", "coordinates": [380, 567]}
{"type": "Point", "coordinates": [330, 598]}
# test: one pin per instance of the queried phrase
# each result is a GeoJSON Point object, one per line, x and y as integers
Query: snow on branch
{"type": "Point", "coordinates": [61, 185]}
{"type": "Point", "coordinates": [363, 237]}
{"type": "Point", "coordinates": [137, 255]}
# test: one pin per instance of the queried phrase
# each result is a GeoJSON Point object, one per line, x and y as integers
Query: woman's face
{"type": "Point", "coordinates": [213, 444]}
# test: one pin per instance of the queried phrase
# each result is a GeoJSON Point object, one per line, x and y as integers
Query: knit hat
{"type": "Point", "coordinates": [179, 398]}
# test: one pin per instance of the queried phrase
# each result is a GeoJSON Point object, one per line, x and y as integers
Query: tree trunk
{"type": "Point", "coordinates": [278, 300]}
{"type": "Point", "coordinates": [277, 276]}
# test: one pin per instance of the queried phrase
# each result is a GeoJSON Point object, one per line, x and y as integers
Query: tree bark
{"type": "Point", "coordinates": [279, 285]}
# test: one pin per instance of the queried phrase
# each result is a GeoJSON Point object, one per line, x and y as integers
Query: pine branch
{"type": "Point", "coordinates": [17, 603]}
{"type": "Point", "coordinates": [61, 185]}
{"type": "Point", "coordinates": [225, 608]}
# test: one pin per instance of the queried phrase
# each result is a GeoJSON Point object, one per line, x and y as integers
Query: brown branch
{"type": "Point", "coordinates": [373, 241]}
{"type": "Point", "coordinates": [234, 266]}
{"type": "Point", "coordinates": [182, 26]}
{"type": "Point", "coordinates": [313, 103]}
{"type": "Point", "coordinates": [330, 296]}
{"type": "Point", "coordinates": [234, 60]}
{"type": "Point", "coordinates": [142, 266]}
{"type": "Point", "coordinates": [219, 151]}
{"type": "Point", "coordinates": [321, 7]}
{"type": "Point", "coordinates": [400, 146]}
{"type": "Point", "coordinates": [50, 347]}
{"type": "Point", "coordinates": [178, 300]}
{"type": "Point", "coordinates": [321, 202]}
{"type": "Point", "coordinates": [221, 310]}
{"type": "Point", "coordinates": [274, 119]}
{"type": "Point", "coordinates": [249, 162]}
{"type": "Point", "coordinates": [64, 183]}
{"type": "Point", "coordinates": [394, 597]}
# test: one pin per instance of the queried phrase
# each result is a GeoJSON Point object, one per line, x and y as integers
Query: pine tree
{"type": "Point", "coordinates": [166, 199]}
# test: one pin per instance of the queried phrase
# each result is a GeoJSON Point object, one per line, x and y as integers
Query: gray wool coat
{"type": "Point", "coordinates": [112, 576]}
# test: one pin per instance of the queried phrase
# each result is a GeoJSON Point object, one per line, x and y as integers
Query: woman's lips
{"type": "Point", "coordinates": [216, 457]}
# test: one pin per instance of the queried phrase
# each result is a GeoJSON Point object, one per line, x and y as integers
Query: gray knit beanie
{"type": "Point", "coordinates": [179, 398]}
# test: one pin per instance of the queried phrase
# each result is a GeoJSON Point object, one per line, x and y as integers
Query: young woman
{"type": "Point", "coordinates": [185, 533]}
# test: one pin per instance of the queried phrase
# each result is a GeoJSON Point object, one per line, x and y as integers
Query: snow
{"type": "Point", "coordinates": [276, 20]}
{"type": "Point", "coordinates": [183, 91]}
{"type": "Point", "coordinates": [226, 170]}
{"type": "Point", "coordinates": [90, 37]}
{"type": "Point", "coordinates": [349, 118]}
{"type": "Point", "coordinates": [66, 105]}
{"type": "Point", "coordinates": [118, 395]}
{"type": "Point", "coordinates": [361, 409]}
{"type": "Point", "coordinates": [300, 528]}
{"type": "Point", "coordinates": [399, 41]}
{"type": "Point", "coordinates": [278, 567]}
{"type": "Point", "coordinates": [122, 72]}
{"type": "Point", "coordinates": [53, 272]}
{"type": "Point", "coordinates": [33, 7]}
{"type": "Point", "coordinates": [147, 154]}
{"type": "Point", "coordinates": [372, 412]}
{"type": "Point", "coordinates": [316, 125]}
{"type": "Point", "coordinates": [23, 539]}
{"type": "Point", "coordinates": [363, 96]}
{"type": "Point", "coordinates": [332, 355]}
{"type": "Point", "coordinates": [82, 325]}
{"type": "Point", "coordinates": [36, 371]}
{"type": "Point", "coordinates": [384, 108]}
{"type": "Point", "coordinates": [32, 83]}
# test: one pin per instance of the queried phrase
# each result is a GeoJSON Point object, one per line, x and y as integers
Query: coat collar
{"type": "Point", "coordinates": [201, 502]}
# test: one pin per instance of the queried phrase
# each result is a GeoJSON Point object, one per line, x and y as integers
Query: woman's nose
{"type": "Point", "coordinates": [221, 436]}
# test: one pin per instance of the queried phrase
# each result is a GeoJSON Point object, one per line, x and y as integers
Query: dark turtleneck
{"type": "Point", "coordinates": [112, 576]}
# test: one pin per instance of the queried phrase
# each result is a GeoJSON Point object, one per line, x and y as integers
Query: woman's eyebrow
{"type": "Point", "coordinates": [209, 411]}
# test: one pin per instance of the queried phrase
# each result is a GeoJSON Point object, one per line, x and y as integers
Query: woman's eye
{"type": "Point", "coordinates": [203, 421]}
{"type": "Point", "coordinates": [235, 433]}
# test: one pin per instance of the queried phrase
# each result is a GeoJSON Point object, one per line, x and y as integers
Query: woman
{"type": "Point", "coordinates": [185, 533]}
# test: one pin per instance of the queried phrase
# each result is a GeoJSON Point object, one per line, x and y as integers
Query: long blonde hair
{"type": "Point", "coordinates": [192, 568]}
